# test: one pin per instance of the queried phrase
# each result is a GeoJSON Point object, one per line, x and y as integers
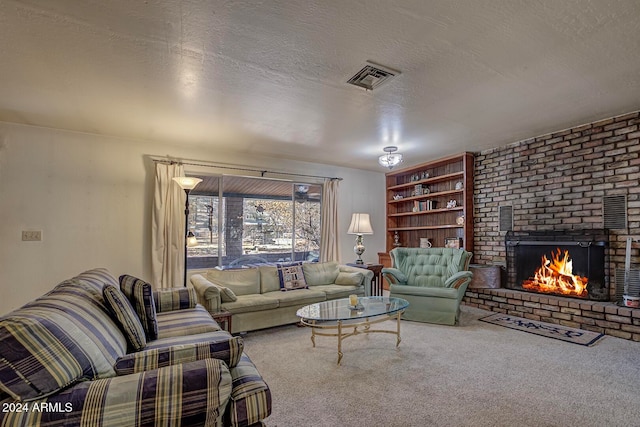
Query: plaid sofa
{"type": "Point", "coordinates": [66, 359]}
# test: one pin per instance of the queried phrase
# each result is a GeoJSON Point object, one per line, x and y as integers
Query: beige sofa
{"type": "Point", "coordinates": [255, 301]}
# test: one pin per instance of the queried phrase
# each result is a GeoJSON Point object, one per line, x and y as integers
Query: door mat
{"type": "Point", "coordinates": [564, 333]}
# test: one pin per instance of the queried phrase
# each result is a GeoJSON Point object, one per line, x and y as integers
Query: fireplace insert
{"type": "Point", "coordinates": [569, 263]}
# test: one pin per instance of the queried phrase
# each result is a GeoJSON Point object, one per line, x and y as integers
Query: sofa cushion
{"type": "Point", "coordinates": [38, 355]}
{"type": "Point", "coordinates": [249, 303]}
{"type": "Point", "coordinates": [291, 276]}
{"type": "Point", "coordinates": [349, 278]}
{"type": "Point", "coordinates": [269, 279]}
{"type": "Point", "coordinates": [81, 308]}
{"type": "Point", "coordinates": [121, 309]}
{"type": "Point", "coordinates": [244, 281]}
{"type": "Point", "coordinates": [339, 291]}
{"type": "Point", "coordinates": [225, 348]}
{"type": "Point", "coordinates": [320, 273]}
{"type": "Point", "coordinates": [300, 297]}
{"type": "Point", "coordinates": [140, 295]}
{"type": "Point", "coordinates": [190, 321]}
{"type": "Point", "coordinates": [437, 292]}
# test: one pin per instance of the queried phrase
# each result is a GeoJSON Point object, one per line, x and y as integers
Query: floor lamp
{"type": "Point", "coordinates": [187, 183]}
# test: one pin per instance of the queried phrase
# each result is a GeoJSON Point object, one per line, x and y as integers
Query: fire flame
{"type": "Point", "coordinates": [556, 276]}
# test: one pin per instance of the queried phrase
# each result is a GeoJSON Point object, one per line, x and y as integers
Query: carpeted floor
{"type": "Point", "coordinates": [474, 374]}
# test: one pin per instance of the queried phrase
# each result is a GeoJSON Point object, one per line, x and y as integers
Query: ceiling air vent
{"type": "Point", "coordinates": [372, 76]}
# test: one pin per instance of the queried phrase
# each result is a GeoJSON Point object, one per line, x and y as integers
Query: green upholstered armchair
{"type": "Point", "coordinates": [433, 280]}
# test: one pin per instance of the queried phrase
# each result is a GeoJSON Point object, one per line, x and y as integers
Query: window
{"type": "Point", "coordinates": [241, 221]}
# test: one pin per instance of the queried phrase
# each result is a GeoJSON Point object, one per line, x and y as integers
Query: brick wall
{"type": "Point", "coordinates": [557, 181]}
{"type": "Point", "coordinates": [596, 316]}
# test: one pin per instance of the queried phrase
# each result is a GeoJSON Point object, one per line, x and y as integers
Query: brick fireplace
{"type": "Point", "coordinates": [558, 181]}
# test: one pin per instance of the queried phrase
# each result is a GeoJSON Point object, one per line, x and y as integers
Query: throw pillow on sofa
{"type": "Point", "coordinates": [121, 309]}
{"type": "Point", "coordinates": [291, 276]}
{"type": "Point", "coordinates": [227, 295]}
{"type": "Point", "coordinates": [171, 299]}
{"type": "Point", "coordinates": [345, 278]}
{"type": "Point", "coordinates": [140, 294]}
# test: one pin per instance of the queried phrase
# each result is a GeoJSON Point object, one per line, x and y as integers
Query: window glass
{"type": "Point", "coordinates": [241, 221]}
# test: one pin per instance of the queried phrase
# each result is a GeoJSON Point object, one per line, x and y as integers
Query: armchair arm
{"type": "Point", "coordinates": [458, 279]}
{"type": "Point", "coordinates": [208, 293]}
{"type": "Point", "coordinates": [174, 299]}
{"type": "Point", "coordinates": [228, 349]}
{"type": "Point", "coordinates": [394, 276]}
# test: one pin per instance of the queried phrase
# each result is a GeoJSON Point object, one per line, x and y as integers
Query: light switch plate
{"type": "Point", "coordinates": [31, 235]}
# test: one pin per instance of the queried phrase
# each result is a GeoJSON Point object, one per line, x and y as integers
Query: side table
{"type": "Point", "coordinates": [223, 317]}
{"type": "Point", "coordinates": [376, 282]}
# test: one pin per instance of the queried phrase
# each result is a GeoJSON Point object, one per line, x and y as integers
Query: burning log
{"type": "Point", "coordinates": [556, 276]}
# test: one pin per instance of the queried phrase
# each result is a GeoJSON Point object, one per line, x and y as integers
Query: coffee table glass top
{"type": "Point", "coordinates": [339, 309]}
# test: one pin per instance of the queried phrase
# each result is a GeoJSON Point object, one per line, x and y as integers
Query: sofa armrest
{"type": "Point", "coordinates": [394, 276]}
{"type": "Point", "coordinates": [208, 293]}
{"type": "Point", "coordinates": [229, 350]}
{"type": "Point", "coordinates": [194, 393]}
{"type": "Point", "coordinates": [250, 401]}
{"type": "Point", "coordinates": [171, 299]}
{"type": "Point", "coordinates": [458, 279]}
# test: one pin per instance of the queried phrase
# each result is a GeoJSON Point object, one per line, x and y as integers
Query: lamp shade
{"type": "Point", "coordinates": [187, 182]}
{"type": "Point", "coordinates": [360, 224]}
{"type": "Point", "coordinates": [191, 240]}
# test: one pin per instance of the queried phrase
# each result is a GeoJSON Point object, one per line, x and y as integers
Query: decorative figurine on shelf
{"type": "Point", "coordinates": [460, 220]}
{"type": "Point", "coordinates": [425, 175]}
{"type": "Point", "coordinates": [396, 239]}
{"type": "Point", "coordinates": [451, 204]}
{"type": "Point", "coordinates": [397, 197]}
{"type": "Point", "coordinates": [459, 185]}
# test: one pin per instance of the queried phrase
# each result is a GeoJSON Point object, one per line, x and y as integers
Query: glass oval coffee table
{"type": "Point", "coordinates": [336, 318]}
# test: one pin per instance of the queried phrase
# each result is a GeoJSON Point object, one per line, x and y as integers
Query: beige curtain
{"type": "Point", "coordinates": [167, 234]}
{"type": "Point", "coordinates": [329, 246]}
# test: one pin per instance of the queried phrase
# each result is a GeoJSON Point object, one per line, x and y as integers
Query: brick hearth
{"type": "Point", "coordinates": [604, 317]}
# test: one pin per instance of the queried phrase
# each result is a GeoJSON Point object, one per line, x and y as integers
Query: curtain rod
{"type": "Point", "coordinates": [240, 168]}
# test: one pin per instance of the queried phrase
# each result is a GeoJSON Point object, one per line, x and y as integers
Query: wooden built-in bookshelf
{"type": "Point", "coordinates": [412, 216]}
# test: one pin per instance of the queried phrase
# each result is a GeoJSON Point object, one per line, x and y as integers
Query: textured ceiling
{"type": "Point", "coordinates": [269, 76]}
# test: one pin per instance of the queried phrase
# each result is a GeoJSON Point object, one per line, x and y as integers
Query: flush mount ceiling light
{"type": "Point", "coordinates": [390, 159]}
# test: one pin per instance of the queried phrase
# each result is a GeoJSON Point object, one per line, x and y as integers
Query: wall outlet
{"type": "Point", "coordinates": [31, 236]}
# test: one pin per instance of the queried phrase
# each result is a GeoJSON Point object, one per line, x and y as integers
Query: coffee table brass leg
{"type": "Point", "coordinates": [339, 341]}
{"type": "Point", "coordinates": [398, 331]}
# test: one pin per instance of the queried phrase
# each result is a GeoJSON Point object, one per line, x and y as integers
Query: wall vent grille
{"type": "Point", "coordinates": [506, 218]}
{"type": "Point", "coordinates": [614, 212]}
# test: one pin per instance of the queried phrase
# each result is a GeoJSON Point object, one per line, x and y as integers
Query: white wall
{"type": "Point", "coordinates": [91, 197]}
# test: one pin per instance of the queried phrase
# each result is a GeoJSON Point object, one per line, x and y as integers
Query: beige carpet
{"type": "Point", "coordinates": [475, 374]}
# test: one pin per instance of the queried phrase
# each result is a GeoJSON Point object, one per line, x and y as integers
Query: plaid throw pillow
{"type": "Point", "coordinates": [291, 276]}
{"type": "Point", "coordinates": [121, 309]}
{"type": "Point", "coordinates": [140, 294]}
